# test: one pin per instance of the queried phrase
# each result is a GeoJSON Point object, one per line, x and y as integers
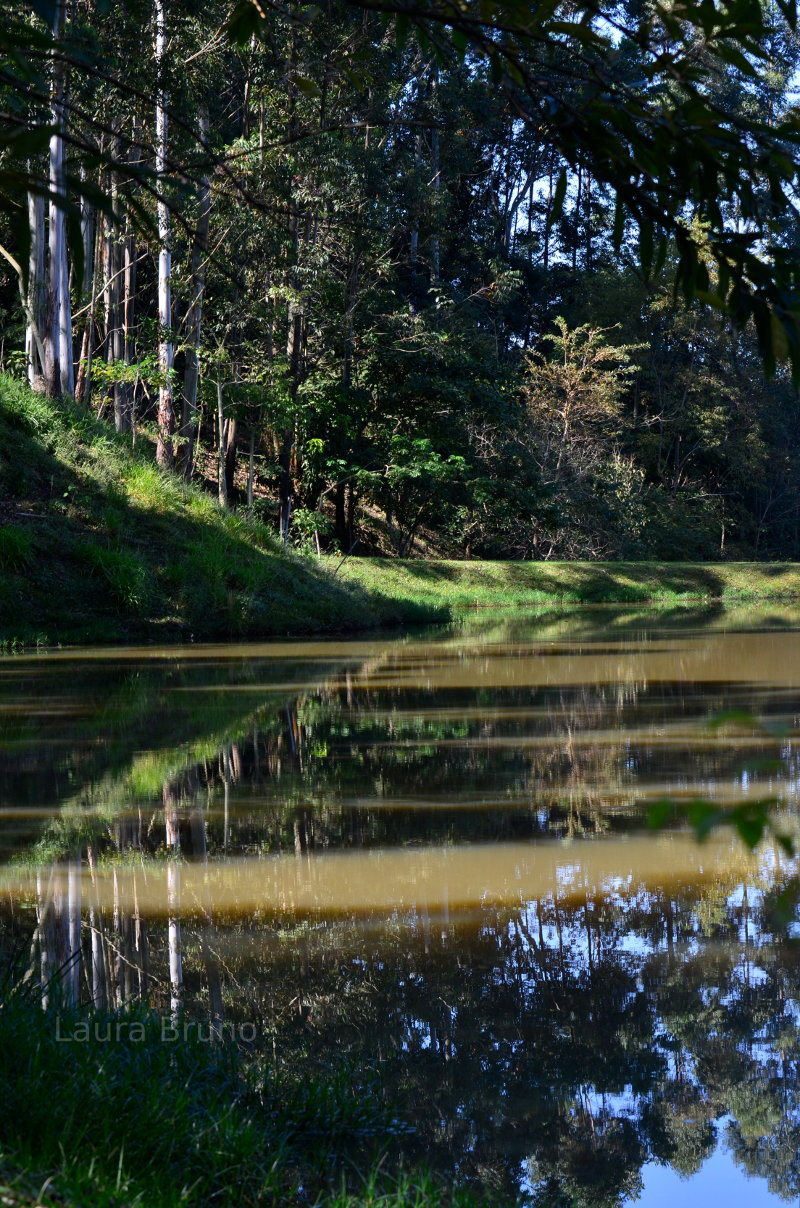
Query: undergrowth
{"type": "Point", "coordinates": [118, 1110]}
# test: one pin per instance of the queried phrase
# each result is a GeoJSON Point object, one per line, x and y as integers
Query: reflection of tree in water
{"type": "Point", "coordinates": [357, 762]}
{"type": "Point", "coordinates": [553, 1050]}
{"type": "Point", "coordinates": [559, 1048]}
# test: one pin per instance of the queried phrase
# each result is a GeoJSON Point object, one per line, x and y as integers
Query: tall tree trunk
{"type": "Point", "coordinates": [35, 300]}
{"type": "Point", "coordinates": [340, 521]}
{"type": "Point", "coordinates": [436, 175]}
{"type": "Point", "coordinates": [294, 336]}
{"type": "Point", "coordinates": [165, 453]}
{"type": "Point", "coordinates": [195, 323]}
{"type": "Point", "coordinates": [84, 331]}
{"type": "Point", "coordinates": [59, 369]}
{"type": "Point", "coordinates": [222, 478]}
{"type": "Point", "coordinates": [251, 469]}
{"type": "Point", "coordinates": [115, 346]}
{"type": "Point", "coordinates": [231, 432]}
{"type": "Point", "coordinates": [128, 319]}
{"type": "Point", "coordinates": [83, 386]}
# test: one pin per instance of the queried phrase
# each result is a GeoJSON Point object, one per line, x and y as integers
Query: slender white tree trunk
{"type": "Point", "coordinates": [165, 453]}
{"type": "Point", "coordinates": [36, 300]}
{"type": "Point", "coordinates": [195, 316]}
{"type": "Point", "coordinates": [59, 369]}
{"type": "Point", "coordinates": [436, 178]}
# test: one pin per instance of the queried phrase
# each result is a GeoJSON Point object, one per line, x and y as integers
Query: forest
{"type": "Point", "coordinates": [397, 281]}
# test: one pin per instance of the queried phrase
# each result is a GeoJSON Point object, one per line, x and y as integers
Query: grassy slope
{"type": "Point", "coordinates": [97, 545]}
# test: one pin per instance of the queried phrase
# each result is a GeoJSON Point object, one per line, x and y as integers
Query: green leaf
{"type": "Point", "coordinates": [557, 206]}
{"type": "Point", "coordinates": [659, 813]}
{"type": "Point", "coordinates": [246, 20]}
{"type": "Point", "coordinates": [704, 817]}
{"type": "Point", "coordinates": [306, 86]}
{"type": "Point", "coordinates": [751, 830]}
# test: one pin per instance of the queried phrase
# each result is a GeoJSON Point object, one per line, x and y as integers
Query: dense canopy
{"type": "Point", "coordinates": [498, 279]}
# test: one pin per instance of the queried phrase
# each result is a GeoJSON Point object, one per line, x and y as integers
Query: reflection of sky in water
{"type": "Point", "coordinates": [718, 1184]}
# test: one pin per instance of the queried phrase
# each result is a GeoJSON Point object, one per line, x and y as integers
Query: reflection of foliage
{"type": "Point", "coordinates": [544, 1036]}
{"type": "Point", "coordinates": [679, 1120]}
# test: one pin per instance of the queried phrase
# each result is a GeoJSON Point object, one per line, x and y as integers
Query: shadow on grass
{"type": "Point", "coordinates": [578, 581]}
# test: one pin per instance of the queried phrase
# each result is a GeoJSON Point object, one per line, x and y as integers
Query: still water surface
{"type": "Point", "coordinates": [428, 855]}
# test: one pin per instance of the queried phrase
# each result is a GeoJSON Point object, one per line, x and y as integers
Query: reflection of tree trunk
{"type": "Point", "coordinates": [73, 955]}
{"type": "Point", "coordinates": [99, 1000]}
{"type": "Point", "coordinates": [226, 789]}
{"type": "Point", "coordinates": [210, 962]}
{"type": "Point", "coordinates": [303, 835]}
{"type": "Point", "coordinates": [47, 938]}
{"type": "Point", "coordinates": [140, 942]}
{"type": "Point", "coordinates": [116, 955]}
{"type": "Point", "coordinates": [293, 732]}
{"type": "Point", "coordinates": [173, 901]}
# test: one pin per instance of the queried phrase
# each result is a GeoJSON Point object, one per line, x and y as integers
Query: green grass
{"type": "Point", "coordinates": [462, 587]}
{"type": "Point", "coordinates": [101, 1109]}
{"type": "Point", "coordinates": [98, 545]}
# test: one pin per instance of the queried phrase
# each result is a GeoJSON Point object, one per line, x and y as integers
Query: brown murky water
{"type": "Point", "coordinates": [429, 855]}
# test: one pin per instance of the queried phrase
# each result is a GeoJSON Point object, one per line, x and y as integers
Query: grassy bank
{"type": "Point", "coordinates": [97, 545]}
{"type": "Point", "coordinates": [460, 587]}
{"type": "Point", "coordinates": [124, 1110]}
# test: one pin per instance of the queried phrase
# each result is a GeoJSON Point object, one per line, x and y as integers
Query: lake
{"type": "Point", "coordinates": [427, 859]}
